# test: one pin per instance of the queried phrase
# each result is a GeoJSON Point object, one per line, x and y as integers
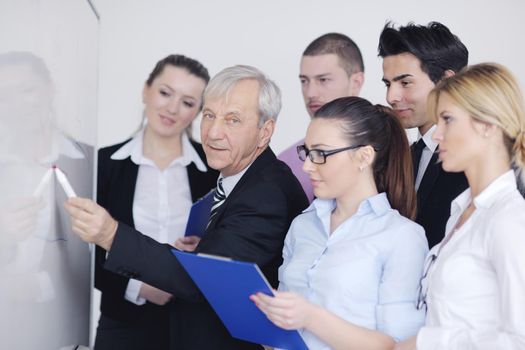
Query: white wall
{"type": "Point", "coordinates": [271, 35]}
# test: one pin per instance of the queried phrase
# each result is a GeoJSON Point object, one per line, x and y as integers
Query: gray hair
{"type": "Point", "coordinates": [269, 94]}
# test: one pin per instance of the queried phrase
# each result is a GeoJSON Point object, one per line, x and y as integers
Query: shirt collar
{"type": "Point", "coordinates": [229, 182]}
{"type": "Point", "coordinates": [427, 138]}
{"type": "Point", "coordinates": [377, 204]}
{"type": "Point", "coordinates": [502, 185]}
{"type": "Point", "coordinates": [133, 149]}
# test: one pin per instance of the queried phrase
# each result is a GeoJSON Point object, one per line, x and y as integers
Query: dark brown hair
{"type": "Point", "coordinates": [192, 66]}
{"type": "Point", "coordinates": [375, 125]}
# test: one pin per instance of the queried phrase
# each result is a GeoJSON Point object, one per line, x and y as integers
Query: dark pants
{"type": "Point", "coordinates": [114, 335]}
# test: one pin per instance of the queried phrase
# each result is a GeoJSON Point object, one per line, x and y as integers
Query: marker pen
{"type": "Point", "coordinates": [62, 179]}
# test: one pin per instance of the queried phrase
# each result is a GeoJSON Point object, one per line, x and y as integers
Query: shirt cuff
{"type": "Point", "coordinates": [132, 292]}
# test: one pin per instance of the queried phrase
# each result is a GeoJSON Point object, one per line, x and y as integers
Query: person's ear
{"type": "Point", "coordinates": [356, 83]}
{"type": "Point", "coordinates": [366, 155]}
{"type": "Point", "coordinates": [448, 73]}
{"type": "Point", "coordinates": [486, 130]}
{"type": "Point", "coordinates": [266, 132]}
{"type": "Point", "coordinates": [489, 129]}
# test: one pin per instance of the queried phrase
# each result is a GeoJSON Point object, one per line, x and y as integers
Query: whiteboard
{"type": "Point", "coordinates": [48, 95]}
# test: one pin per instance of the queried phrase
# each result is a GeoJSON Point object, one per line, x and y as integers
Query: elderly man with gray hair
{"type": "Point", "coordinates": [257, 197]}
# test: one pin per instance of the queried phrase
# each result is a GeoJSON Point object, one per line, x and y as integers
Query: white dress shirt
{"type": "Point", "coordinates": [426, 155]}
{"type": "Point", "coordinates": [229, 182]}
{"type": "Point", "coordinates": [367, 271]}
{"type": "Point", "coordinates": [162, 200]}
{"type": "Point", "coordinates": [476, 285]}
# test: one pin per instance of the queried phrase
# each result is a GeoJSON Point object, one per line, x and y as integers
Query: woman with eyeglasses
{"type": "Point", "coordinates": [474, 287]}
{"type": "Point", "coordinates": [353, 259]}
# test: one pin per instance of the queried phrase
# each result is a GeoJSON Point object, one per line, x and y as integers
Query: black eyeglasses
{"type": "Point", "coordinates": [318, 156]}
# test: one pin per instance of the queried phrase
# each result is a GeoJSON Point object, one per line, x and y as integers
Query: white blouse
{"type": "Point", "coordinates": [475, 287]}
{"type": "Point", "coordinates": [162, 199]}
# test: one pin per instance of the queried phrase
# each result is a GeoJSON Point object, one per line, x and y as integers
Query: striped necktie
{"type": "Point", "coordinates": [218, 198]}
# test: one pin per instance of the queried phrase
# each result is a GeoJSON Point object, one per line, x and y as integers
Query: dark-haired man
{"type": "Point", "coordinates": [415, 58]}
{"type": "Point", "coordinates": [331, 67]}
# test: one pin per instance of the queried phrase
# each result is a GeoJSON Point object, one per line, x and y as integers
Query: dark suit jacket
{"type": "Point", "coordinates": [250, 225]}
{"type": "Point", "coordinates": [115, 192]}
{"type": "Point", "coordinates": [437, 190]}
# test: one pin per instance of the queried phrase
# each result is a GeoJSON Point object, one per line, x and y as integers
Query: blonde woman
{"type": "Point", "coordinates": [474, 281]}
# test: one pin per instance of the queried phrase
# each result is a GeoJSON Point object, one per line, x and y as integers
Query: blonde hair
{"type": "Point", "coordinates": [490, 94]}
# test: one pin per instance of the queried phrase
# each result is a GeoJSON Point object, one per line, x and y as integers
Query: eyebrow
{"type": "Point", "coordinates": [318, 76]}
{"type": "Point", "coordinates": [397, 78]}
{"type": "Point", "coordinates": [166, 86]}
{"type": "Point", "coordinates": [173, 90]}
{"type": "Point", "coordinates": [228, 113]}
{"type": "Point", "coordinates": [319, 145]}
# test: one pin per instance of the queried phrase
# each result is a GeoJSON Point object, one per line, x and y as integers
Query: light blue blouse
{"type": "Point", "coordinates": [366, 272]}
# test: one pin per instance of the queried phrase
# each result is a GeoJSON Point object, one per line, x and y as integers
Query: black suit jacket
{"type": "Point", "coordinates": [437, 190]}
{"type": "Point", "coordinates": [251, 226]}
{"type": "Point", "coordinates": [115, 192]}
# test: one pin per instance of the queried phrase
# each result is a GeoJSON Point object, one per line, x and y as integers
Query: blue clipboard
{"type": "Point", "coordinates": [199, 216]}
{"type": "Point", "coordinates": [227, 285]}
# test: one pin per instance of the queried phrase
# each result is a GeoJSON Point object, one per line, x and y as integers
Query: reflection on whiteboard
{"type": "Point", "coordinates": [44, 268]}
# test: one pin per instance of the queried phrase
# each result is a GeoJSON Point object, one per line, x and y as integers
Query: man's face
{"type": "Point", "coordinates": [323, 80]}
{"type": "Point", "coordinates": [230, 133]}
{"type": "Point", "coordinates": [407, 89]}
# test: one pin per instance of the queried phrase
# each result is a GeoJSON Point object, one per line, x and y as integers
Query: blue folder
{"type": "Point", "coordinates": [199, 216]}
{"type": "Point", "coordinates": [227, 285]}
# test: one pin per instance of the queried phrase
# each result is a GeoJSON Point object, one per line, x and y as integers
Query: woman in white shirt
{"type": "Point", "coordinates": [353, 259]}
{"type": "Point", "coordinates": [150, 183]}
{"type": "Point", "coordinates": [474, 284]}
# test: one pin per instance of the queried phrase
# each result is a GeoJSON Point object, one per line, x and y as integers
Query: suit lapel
{"type": "Point", "coordinates": [429, 179]}
{"type": "Point", "coordinates": [260, 163]}
{"type": "Point", "coordinates": [125, 181]}
{"type": "Point", "coordinates": [194, 178]}
{"type": "Point", "coordinates": [200, 182]}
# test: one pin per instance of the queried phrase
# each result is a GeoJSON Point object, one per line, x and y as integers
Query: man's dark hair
{"type": "Point", "coordinates": [434, 45]}
{"type": "Point", "coordinates": [338, 44]}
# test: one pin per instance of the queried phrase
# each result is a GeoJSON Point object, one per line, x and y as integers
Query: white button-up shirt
{"type": "Point", "coordinates": [162, 200]}
{"type": "Point", "coordinates": [426, 155]}
{"type": "Point", "coordinates": [476, 285]}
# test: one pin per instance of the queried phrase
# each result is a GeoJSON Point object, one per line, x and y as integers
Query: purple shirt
{"type": "Point", "coordinates": [290, 157]}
